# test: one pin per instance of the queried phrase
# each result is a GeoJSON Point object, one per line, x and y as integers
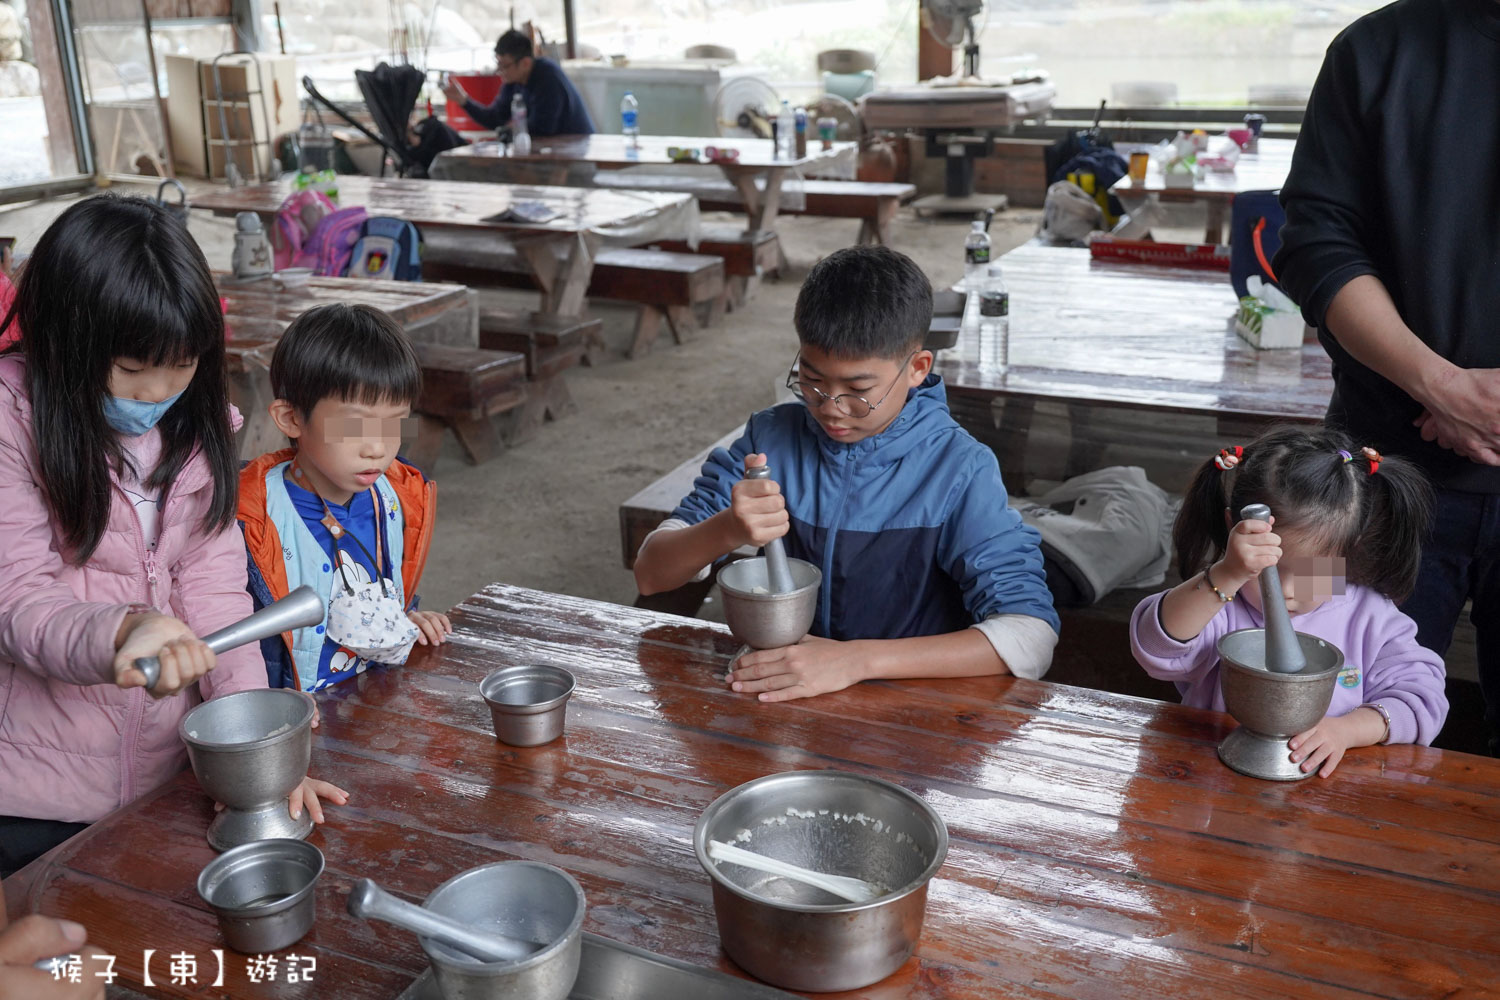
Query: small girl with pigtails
{"type": "Point", "coordinates": [1346, 533]}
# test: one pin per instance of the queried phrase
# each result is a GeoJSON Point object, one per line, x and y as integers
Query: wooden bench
{"type": "Point", "coordinates": [665, 286]}
{"type": "Point", "coordinates": [551, 345]}
{"type": "Point", "coordinates": [462, 388]}
{"type": "Point", "coordinates": [748, 256]}
{"type": "Point", "coordinates": [873, 203]}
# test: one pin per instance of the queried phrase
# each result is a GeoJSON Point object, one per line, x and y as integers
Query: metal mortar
{"type": "Point", "coordinates": [1272, 707]}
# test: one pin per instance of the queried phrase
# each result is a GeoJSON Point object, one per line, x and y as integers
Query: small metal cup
{"type": "Point", "coordinates": [528, 704]}
{"type": "Point", "coordinates": [263, 893]}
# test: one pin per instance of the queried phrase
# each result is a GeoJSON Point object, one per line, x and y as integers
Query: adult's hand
{"type": "Point", "coordinates": [36, 938]}
{"type": "Point", "coordinates": [1463, 414]}
{"type": "Point", "coordinates": [454, 92]}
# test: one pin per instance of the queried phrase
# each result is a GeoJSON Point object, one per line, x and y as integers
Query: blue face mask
{"type": "Point", "coordinates": [134, 417]}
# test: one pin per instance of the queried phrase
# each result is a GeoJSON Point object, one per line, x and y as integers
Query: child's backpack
{"type": "Point", "coordinates": [297, 217]}
{"type": "Point", "coordinates": [388, 249]}
{"type": "Point", "coordinates": [1255, 222]}
{"type": "Point", "coordinates": [329, 247]}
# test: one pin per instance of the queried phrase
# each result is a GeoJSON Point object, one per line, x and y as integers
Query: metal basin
{"type": "Point", "coordinates": [529, 705]}
{"type": "Point", "coordinates": [610, 970]}
{"type": "Point", "coordinates": [521, 899]}
{"type": "Point", "coordinates": [801, 938]}
{"type": "Point", "coordinates": [249, 750]}
{"type": "Point", "coordinates": [761, 619]}
{"type": "Point", "coordinates": [263, 893]}
{"type": "Point", "coordinates": [1272, 707]}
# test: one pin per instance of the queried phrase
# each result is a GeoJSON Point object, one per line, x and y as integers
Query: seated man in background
{"type": "Point", "coordinates": [553, 106]}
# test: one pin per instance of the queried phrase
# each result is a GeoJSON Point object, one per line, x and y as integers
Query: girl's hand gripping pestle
{"type": "Point", "coordinates": [777, 570]}
{"type": "Point", "coordinates": [1283, 651]}
{"type": "Point", "coordinates": [301, 608]}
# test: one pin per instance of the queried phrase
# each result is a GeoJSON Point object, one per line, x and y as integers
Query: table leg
{"type": "Point", "coordinates": [564, 277]}
{"type": "Point", "coordinates": [1213, 232]}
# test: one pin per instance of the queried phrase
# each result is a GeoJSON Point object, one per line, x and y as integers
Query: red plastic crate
{"type": "Point", "coordinates": [1213, 257]}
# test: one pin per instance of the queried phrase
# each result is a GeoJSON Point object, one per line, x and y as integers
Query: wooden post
{"type": "Point", "coordinates": [60, 146]}
{"type": "Point", "coordinates": [933, 57]}
{"type": "Point", "coordinates": [570, 28]}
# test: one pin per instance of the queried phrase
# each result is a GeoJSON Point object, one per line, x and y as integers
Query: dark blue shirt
{"type": "Point", "coordinates": [553, 106]}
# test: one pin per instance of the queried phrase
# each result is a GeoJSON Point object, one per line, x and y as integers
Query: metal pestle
{"type": "Point", "coordinates": [370, 902]}
{"type": "Point", "coordinates": [1283, 652]}
{"type": "Point", "coordinates": [778, 572]}
{"type": "Point", "coordinates": [299, 609]}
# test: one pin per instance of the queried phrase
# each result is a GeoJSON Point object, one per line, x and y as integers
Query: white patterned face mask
{"type": "Point", "coordinates": [367, 620]}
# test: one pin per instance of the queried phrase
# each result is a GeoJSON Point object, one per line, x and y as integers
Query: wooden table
{"type": "Point", "coordinates": [758, 175]}
{"type": "Point", "coordinates": [457, 222]}
{"type": "Point", "coordinates": [1264, 170]}
{"type": "Point", "coordinates": [257, 313]}
{"type": "Point", "coordinates": [1099, 848]}
{"type": "Point", "coordinates": [1096, 334]}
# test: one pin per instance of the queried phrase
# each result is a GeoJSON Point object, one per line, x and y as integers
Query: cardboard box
{"type": "Point", "coordinates": [193, 108]}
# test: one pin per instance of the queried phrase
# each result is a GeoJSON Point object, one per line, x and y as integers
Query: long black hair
{"type": "Point", "coordinates": [1376, 520]}
{"type": "Point", "coordinates": [116, 278]}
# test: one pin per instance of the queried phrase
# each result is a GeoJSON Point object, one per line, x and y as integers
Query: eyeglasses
{"type": "Point", "coordinates": [505, 63]}
{"type": "Point", "coordinates": [847, 403]}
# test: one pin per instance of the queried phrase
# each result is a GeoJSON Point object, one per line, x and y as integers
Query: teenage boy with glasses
{"type": "Point", "coordinates": [553, 106]}
{"type": "Point", "coordinates": [927, 571]}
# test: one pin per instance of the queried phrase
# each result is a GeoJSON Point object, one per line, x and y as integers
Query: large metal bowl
{"type": "Point", "coordinates": [801, 938]}
{"type": "Point", "coordinates": [526, 900]}
{"type": "Point", "coordinates": [761, 619]}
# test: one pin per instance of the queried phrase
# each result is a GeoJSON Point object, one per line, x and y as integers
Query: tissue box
{"type": "Point", "coordinates": [1266, 328]}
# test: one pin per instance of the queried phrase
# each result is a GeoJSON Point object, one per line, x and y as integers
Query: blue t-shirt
{"type": "Point", "coordinates": [359, 521]}
{"type": "Point", "coordinates": [553, 105]}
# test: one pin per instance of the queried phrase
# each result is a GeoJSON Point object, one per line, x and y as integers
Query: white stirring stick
{"type": "Point", "coordinates": [856, 890]}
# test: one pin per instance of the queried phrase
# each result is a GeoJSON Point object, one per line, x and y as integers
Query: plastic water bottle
{"type": "Point", "coordinates": [994, 323]}
{"type": "Point", "coordinates": [801, 132]}
{"type": "Point", "coordinates": [785, 124]}
{"type": "Point", "coordinates": [630, 116]}
{"type": "Point", "coordinates": [520, 135]}
{"type": "Point", "coordinates": [976, 256]}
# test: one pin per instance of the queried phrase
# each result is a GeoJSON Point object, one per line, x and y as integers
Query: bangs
{"type": "Point", "coordinates": [154, 319]}
{"type": "Point", "coordinates": [355, 354]}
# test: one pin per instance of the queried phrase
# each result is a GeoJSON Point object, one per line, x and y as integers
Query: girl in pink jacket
{"type": "Point", "coordinates": [117, 497]}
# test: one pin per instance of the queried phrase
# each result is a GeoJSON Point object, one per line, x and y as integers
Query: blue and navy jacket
{"type": "Point", "coordinates": [911, 527]}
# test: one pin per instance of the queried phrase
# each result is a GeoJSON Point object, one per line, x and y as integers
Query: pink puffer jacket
{"type": "Point", "coordinates": [73, 746]}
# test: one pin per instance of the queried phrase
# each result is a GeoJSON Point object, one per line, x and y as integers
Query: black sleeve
{"type": "Point", "coordinates": [495, 114]}
{"type": "Point", "coordinates": [1330, 192]}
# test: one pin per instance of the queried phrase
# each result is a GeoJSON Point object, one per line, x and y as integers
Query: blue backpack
{"type": "Point", "coordinates": [1255, 222]}
{"type": "Point", "coordinates": [388, 250]}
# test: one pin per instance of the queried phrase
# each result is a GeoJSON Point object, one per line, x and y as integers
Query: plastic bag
{"type": "Point", "coordinates": [1070, 214]}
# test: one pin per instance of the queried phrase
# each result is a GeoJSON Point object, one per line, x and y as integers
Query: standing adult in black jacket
{"type": "Point", "coordinates": [1392, 247]}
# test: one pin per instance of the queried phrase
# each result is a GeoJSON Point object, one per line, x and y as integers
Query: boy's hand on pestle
{"type": "Point", "coordinates": [813, 666]}
{"type": "Point", "coordinates": [435, 627]}
{"type": "Point", "coordinates": [184, 657]}
{"type": "Point", "coordinates": [309, 794]}
{"type": "Point", "coordinates": [1252, 547]}
{"type": "Point", "coordinates": [1325, 743]}
{"type": "Point", "coordinates": [757, 508]}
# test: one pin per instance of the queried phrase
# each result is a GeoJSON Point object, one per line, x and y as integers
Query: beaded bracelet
{"type": "Point", "coordinates": [1217, 592]}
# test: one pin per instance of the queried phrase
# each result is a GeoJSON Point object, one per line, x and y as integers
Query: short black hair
{"type": "Point", "coordinates": [514, 44]}
{"type": "Point", "coordinates": [864, 302]}
{"type": "Point", "coordinates": [352, 353]}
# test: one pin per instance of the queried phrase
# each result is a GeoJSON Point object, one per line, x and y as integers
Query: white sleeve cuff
{"type": "Point", "coordinates": [672, 524]}
{"type": "Point", "coordinates": [1023, 642]}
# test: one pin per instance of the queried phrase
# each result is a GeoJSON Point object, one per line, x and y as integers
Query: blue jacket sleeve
{"type": "Point", "coordinates": [495, 114]}
{"type": "Point", "coordinates": [995, 557]}
{"type": "Point", "coordinates": [721, 470]}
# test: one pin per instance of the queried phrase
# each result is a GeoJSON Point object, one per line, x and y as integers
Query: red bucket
{"type": "Point", "coordinates": [483, 88]}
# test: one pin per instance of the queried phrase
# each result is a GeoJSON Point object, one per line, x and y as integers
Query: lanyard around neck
{"type": "Point", "coordinates": [338, 531]}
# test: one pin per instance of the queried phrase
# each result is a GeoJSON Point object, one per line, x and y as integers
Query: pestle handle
{"type": "Point", "coordinates": [368, 901]}
{"type": "Point", "coordinates": [1283, 651]}
{"type": "Point", "coordinates": [299, 609]}
{"type": "Point", "coordinates": [779, 572]}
